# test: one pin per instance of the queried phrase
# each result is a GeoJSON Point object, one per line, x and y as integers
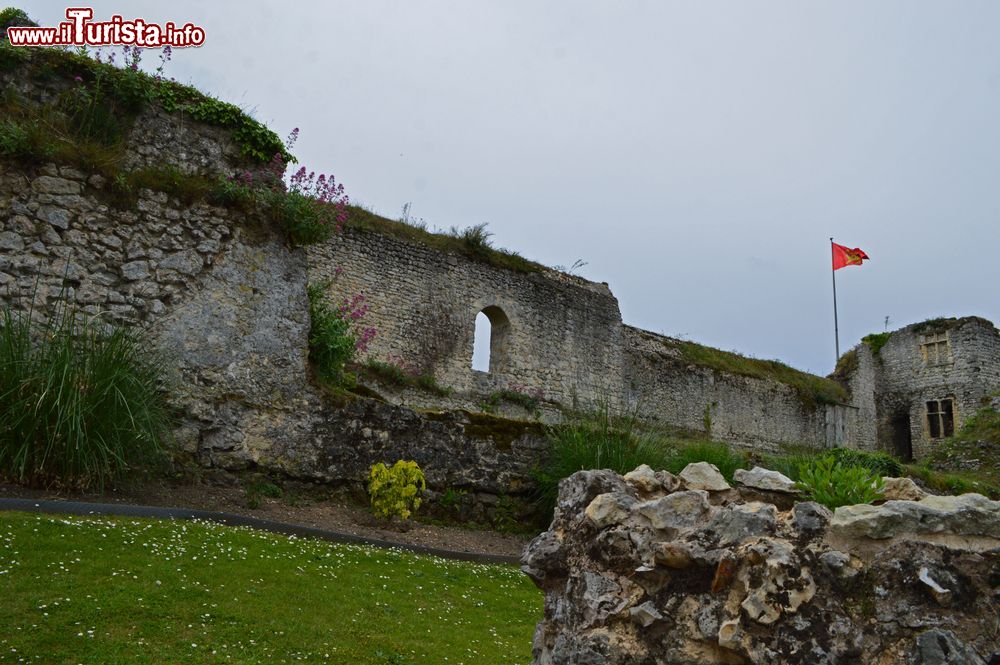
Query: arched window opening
{"type": "Point", "coordinates": [489, 345]}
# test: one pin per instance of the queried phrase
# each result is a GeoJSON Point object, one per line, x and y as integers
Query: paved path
{"type": "Point", "coordinates": [126, 510]}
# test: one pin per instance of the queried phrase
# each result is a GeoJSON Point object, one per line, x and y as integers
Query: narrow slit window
{"type": "Point", "coordinates": [481, 344]}
{"type": "Point", "coordinates": [489, 343]}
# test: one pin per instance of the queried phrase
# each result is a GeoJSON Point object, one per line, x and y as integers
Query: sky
{"type": "Point", "coordinates": [697, 156]}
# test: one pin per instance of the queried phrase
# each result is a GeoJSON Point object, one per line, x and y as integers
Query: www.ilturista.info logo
{"type": "Point", "coordinates": [79, 30]}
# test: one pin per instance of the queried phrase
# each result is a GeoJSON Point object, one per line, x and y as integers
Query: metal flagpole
{"type": "Point", "coordinates": [836, 331]}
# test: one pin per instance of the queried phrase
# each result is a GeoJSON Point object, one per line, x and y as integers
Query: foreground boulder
{"type": "Point", "coordinates": [644, 572]}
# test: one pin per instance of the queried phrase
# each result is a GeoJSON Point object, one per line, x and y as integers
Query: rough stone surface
{"type": "Point", "coordinates": [703, 476]}
{"type": "Point", "coordinates": [964, 515]}
{"type": "Point", "coordinates": [901, 489]}
{"type": "Point", "coordinates": [764, 479]}
{"type": "Point", "coordinates": [941, 359]}
{"type": "Point", "coordinates": [226, 307]}
{"type": "Point", "coordinates": [744, 583]}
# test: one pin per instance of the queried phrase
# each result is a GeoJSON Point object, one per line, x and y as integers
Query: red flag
{"type": "Point", "coordinates": [845, 256]}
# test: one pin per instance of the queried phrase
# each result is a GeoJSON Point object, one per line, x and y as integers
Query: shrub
{"type": "Point", "coordinates": [80, 400]}
{"type": "Point", "coordinates": [312, 208]}
{"type": "Point", "coordinates": [833, 484]}
{"type": "Point", "coordinates": [881, 463]}
{"type": "Point", "coordinates": [395, 491]}
{"type": "Point", "coordinates": [598, 441]}
{"type": "Point", "coordinates": [334, 333]}
{"type": "Point", "coordinates": [24, 141]}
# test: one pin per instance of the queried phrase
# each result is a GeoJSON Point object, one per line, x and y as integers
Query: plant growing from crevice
{"type": "Point", "coordinates": [876, 341]}
{"type": "Point", "coordinates": [834, 484]}
{"type": "Point", "coordinates": [529, 399]}
{"type": "Point", "coordinates": [396, 371]}
{"type": "Point", "coordinates": [335, 333]}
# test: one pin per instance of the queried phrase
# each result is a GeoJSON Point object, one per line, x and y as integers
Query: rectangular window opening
{"type": "Point", "coordinates": [941, 418]}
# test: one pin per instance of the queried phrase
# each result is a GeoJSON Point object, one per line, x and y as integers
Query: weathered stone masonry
{"type": "Point", "coordinates": [223, 296]}
{"type": "Point", "coordinates": [957, 360]}
{"type": "Point", "coordinates": [564, 334]}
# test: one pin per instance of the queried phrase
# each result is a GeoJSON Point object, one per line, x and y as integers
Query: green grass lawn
{"type": "Point", "coordinates": [114, 590]}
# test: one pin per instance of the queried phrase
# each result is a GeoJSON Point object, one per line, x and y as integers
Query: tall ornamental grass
{"type": "Point", "coordinates": [80, 400]}
{"type": "Point", "coordinates": [596, 441]}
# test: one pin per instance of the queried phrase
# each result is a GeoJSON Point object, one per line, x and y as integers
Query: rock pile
{"type": "Point", "coordinates": [652, 568]}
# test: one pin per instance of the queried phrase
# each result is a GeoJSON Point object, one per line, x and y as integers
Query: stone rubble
{"type": "Point", "coordinates": [649, 569]}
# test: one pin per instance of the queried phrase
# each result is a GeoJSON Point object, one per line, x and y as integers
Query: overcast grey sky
{"type": "Point", "coordinates": [697, 155]}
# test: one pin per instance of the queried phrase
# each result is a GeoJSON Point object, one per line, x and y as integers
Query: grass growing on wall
{"type": "Point", "coordinates": [102, 100]}
{"type": "Point", "coordinates": [811, 388]}
{"type": "Point", "coordinates": [102, 590]}
{"type": "Point", "coordinates": [472, 242]}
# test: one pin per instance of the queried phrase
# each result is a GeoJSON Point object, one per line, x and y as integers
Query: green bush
{"type": "Point", "coordinates": [332, 341]}
{"type": "Point", "coordinates": [395, 491]}
{"type": "Point", "coordinates": [80, 400]}
{"type": "Point", "coordinates": [25, 141]}
{"type": "Point", "coordinates": [597, 441]}
{"type": "Point", "coordinates": [300, 216]}
{"type": "Point", "coordinates": [881, 463]}
{"type": "Point", "coordinates": [833, 484]}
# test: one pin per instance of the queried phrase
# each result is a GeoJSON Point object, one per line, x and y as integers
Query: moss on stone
{"type": "Point", "coordinates": [876, 341]}
{"type": "Point", "coordinates": [501, 431]}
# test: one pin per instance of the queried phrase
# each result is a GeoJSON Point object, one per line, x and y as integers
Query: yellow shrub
{"type": "Point", "coordinates": [394, 491]}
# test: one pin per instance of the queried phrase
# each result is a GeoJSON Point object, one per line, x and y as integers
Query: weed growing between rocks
{"type": "Point", "coordinates": [335, 333]}
{"type": "Point", "coordinates": [395, 371]}
{"type": "Point", "coordinates": [834, 484]}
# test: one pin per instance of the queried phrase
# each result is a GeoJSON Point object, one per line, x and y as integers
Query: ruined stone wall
{"type": "Point", "coordinates": [752, 413]}
{"type": "Point", "coordinates": [225, 306]}
{"type": "Point", "coordinates": [863, 384]}
{"type": "Point", "coordinates": [564, 335]}
{"type": "Point", "coordinates": [906, 379]}
{"type": "Point", "coordinates": [653, 568]}
{"type": "Point", "coordinates": [155, 138]}
{"type": "Point", "coordinates": [223, 300]}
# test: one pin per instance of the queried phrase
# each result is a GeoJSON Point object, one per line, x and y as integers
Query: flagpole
{"type": "Point", "coordinates": [836, 331]}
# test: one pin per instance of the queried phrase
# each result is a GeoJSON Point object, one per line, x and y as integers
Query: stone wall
{"type": "Point", "coordinates": [892, 387]}
{"type": "Point", "coordinates": [651, 568]}
{"type": "Point", "coordinates": [748, 412]}
{"type": "Point", "coordinates": [154, 138]}
{"type": "Point", "coordinates": [225, 306]}
{"type": "Point", "coordinates": [224, 301]}
{"type": "Point", "coordinates": [562, 334]}
{"type": "Point", "coordinates": [223, 297]}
